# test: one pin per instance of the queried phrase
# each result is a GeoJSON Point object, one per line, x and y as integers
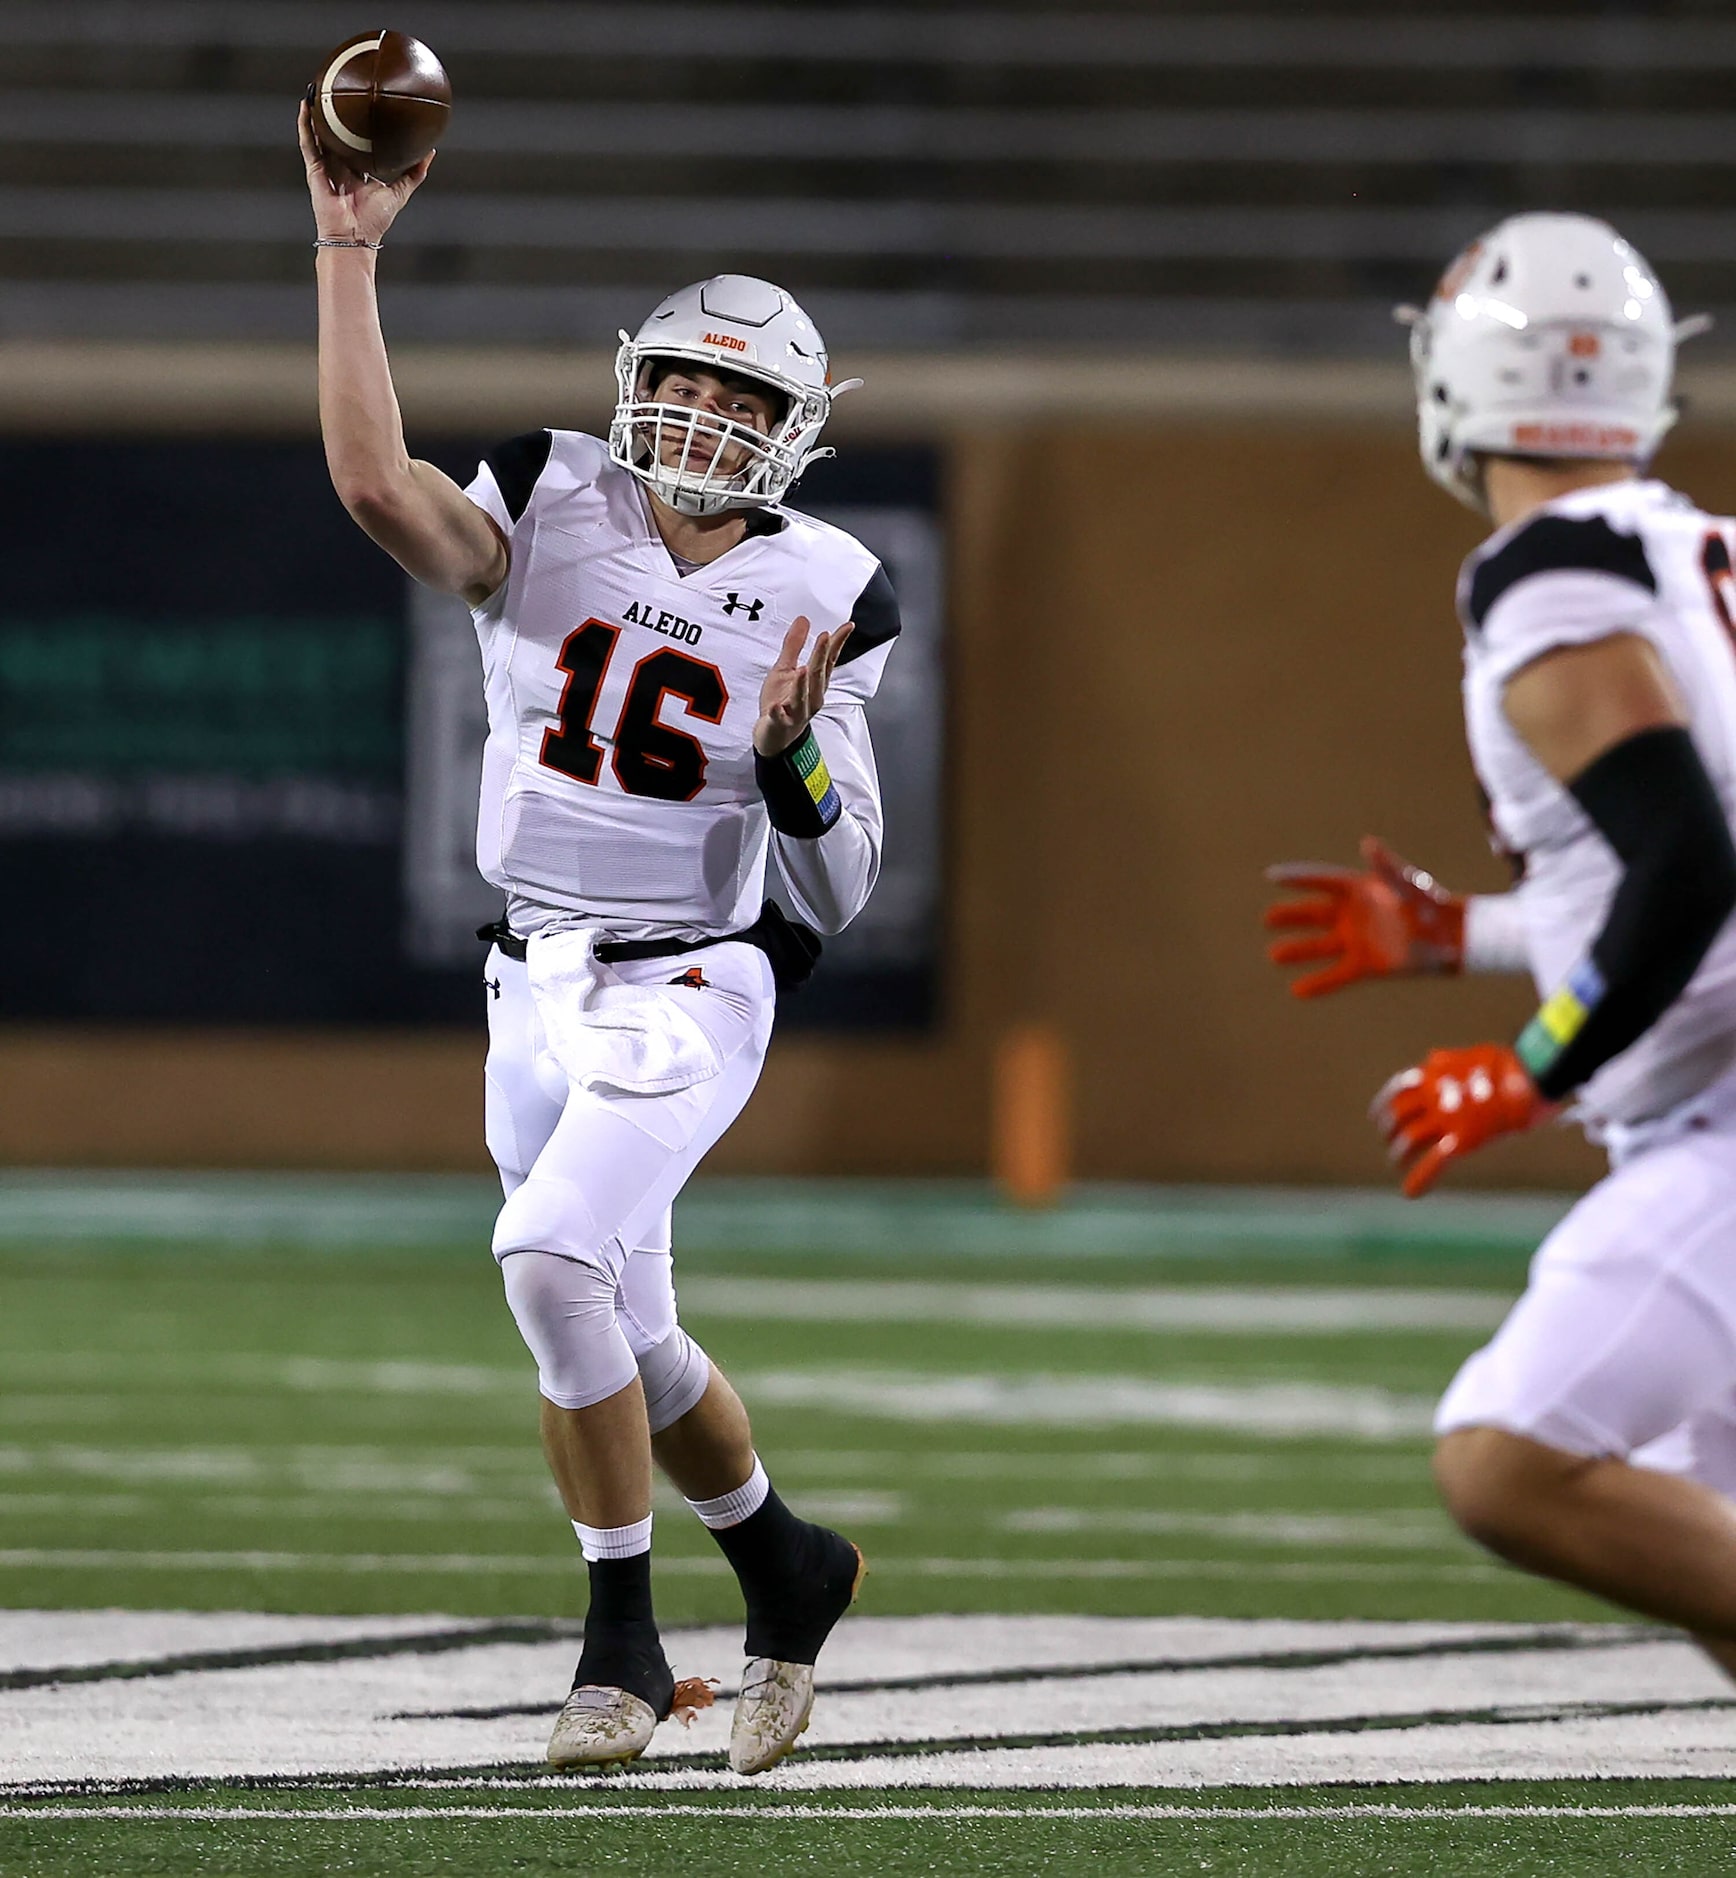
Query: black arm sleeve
{"type": "Point", "coordinates": [1652, 801]}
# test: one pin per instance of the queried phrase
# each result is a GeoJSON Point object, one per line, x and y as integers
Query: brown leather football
{"type": "Point", "coordinates": [380, 104]}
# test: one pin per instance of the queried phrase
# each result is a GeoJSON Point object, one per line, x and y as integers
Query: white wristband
{"type": "Point", "coordinates": [1495, 933]}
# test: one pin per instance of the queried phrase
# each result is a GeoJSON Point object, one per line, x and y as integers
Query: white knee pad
{"type": "Point", "coordinates": [565, 1310]}
{"type": "Point", "coordinates": [674, 1373]}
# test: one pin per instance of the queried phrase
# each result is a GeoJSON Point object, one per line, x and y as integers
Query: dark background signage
{"type": "Point", "coordinates": [213, 689]}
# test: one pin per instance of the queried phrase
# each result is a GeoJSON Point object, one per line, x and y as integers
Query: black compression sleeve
{"type": "Point", "coordinates": [1652, 801]}
{"type": "Point", "coordinates": [800, 797]}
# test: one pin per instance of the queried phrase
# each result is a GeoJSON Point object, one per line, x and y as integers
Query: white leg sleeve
{"type": "Point", "coordinates": [566, 1312]}
{"type": "Point", "coordinates": [673, 1368]}
{"type": "Point", "coordinates": [674, 1373]}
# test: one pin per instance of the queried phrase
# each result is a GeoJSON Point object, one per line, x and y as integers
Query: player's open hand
{"type": "Point", "coordinates": [1392, 919]}
{"type": "Point", "coordinates": [346, 206]}
{"type": "Point", "coordinates": [793, 692]}
{"type": "Point", "coordinates": [1451, 1102]}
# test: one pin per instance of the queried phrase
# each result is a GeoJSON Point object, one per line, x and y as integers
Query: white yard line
{"type": "Point", "coordinates": [754, 1216]}
{"type": "Point", "coordinates": [1059, 1399]}
{"type": "Point", "coordinates": [1180, 1462]}
{"type": "Point", "coordinates": [1088, 1401]}
{"type": "Point", "coordinates": [361, 1469]}
{"type": "Point", "coordinates": [68, 1558]}
{"type": "Point", "coordinates": [440, 1474]}
{"type": "Point", "coordinates": [707, 1565]}
{"type": "Point", "coordinates": [1387, 1529]}
{"type": "Point", "coordinates": [55, 1639]}
{"type": "Point", "coordinates": [1234, 1704]}
{"type": "Point", "coordinates": [781, 1809]}
{"type": "Point", "coordinates": [110, 1372]}
{"type": "Point", "coordinates": [1177, 1310]}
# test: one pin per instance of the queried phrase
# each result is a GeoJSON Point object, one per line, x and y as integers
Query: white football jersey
{"type": "Point", "coordinates": [618, 777]}
{"type": "Point", "coordinates": [1629, 557]}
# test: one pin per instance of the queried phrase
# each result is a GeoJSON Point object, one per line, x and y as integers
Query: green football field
{"type": "Point", "coordinates": [1158, 1581]}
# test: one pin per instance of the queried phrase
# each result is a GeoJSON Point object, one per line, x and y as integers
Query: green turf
{"type": "Point", "coordinates": [1437, 1831]}
{"type": "Point", "coordinates": [338, 1431]}
{"type": "Point", "coordinates": [319, 1423]}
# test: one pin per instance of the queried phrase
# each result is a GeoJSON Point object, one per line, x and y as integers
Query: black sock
{"type": "Point", "coordinates": [620, 1590]}
{"type": "Point", "coordinates": [622, 1648]}
{"type": "Point", "coordinates": [766, 1548]}
{"type": "Point", "coordinates": [797, 1579]}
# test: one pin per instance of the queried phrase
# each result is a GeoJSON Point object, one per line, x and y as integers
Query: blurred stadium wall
{"type": "Point", "coordinates": [1120, 278]}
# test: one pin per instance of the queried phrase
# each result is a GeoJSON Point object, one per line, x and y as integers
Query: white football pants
{"type": "Point", "coordinates": [1624, 1343]}
{"type": "Point", "coordinates": [604, 1088]}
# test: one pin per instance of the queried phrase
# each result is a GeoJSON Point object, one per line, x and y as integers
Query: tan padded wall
{"type": "Point", "coordinates": [1178, 654]}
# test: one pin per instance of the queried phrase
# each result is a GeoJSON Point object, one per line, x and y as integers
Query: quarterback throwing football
{"type": "Point", "coordinates": [1594, 1439]}
{"type": "Point", "coordinates": [676, 669]}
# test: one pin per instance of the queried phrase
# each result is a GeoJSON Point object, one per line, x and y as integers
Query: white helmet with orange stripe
{"type": "Point", "coordinates": [704, 462]}
{"type": "Point", "coordinates": [1548, 337]}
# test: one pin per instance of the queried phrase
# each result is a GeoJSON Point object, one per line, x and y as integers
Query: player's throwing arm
{"type": "Point", "coordinates": [414, 511]}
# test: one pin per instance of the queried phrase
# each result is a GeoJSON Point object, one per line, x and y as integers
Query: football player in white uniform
{"type": "Point", "coordinates": [664, 718]}
{"type": "Point", "coordinates": [1594, 1439]}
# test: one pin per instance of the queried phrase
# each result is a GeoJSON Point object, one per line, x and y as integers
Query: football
{"type": "Point", "coordinates": [380, 104]}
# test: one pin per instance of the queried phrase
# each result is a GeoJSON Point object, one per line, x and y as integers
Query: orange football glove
{"type": "Point", "coordinates": [1393, 919]}
{"type": "Point", "coordinates": [1451, 1102]}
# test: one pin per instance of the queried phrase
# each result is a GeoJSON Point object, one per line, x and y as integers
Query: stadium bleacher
{"type": "Point", "coordinates": [932, 176]}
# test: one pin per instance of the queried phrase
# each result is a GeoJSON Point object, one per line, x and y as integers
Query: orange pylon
{"type": "Point", "coordinates": [1033, 1120]}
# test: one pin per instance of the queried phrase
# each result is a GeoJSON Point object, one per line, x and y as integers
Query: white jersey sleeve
{"type": "Point", "coordinates": [1628, 558]}
{"type": "Point", "coordinates": [829, 879]}
{"type": "Point", "coordinates": [1561, 581]}
{"type": "Point", "coordinates": [507, 476]}
{"type": "Point", "coordinates": [1558, 580]}
{"type": "Point", "coordinates": [502, 487]}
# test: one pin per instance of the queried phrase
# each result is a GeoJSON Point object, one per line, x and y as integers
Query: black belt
{"type": "Point", "coordinates": [792, 949]}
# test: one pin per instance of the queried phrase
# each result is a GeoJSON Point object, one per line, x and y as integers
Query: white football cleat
{"type": "Point", "coordinates": [601, 1727]}
{"type": "Point", "coordinates": [770, 1713]}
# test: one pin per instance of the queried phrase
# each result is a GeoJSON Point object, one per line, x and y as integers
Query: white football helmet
{"type": "Point", "coordinates": [1548, 337]}
{"type": "Point", "coordinates": [751, 329]}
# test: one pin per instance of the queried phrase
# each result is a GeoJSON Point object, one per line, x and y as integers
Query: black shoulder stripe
{"type": "Point", "coordinates": [1555, 543]}
{"type": "Point", "coordinates": [517, 464]}
{"type": "Point", "coordinates": [876, 617]}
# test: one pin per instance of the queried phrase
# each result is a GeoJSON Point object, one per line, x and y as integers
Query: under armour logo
{"type": "Point", "coordinates": [491, 984]}
{"type": "Point", "coordinates": [734, 603]}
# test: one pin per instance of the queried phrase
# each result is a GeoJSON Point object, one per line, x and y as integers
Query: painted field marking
{"type": "Point", "coordinates": [1090, 1401]}
{"type": "Point", "coordinates": [112, 1373]}
{"type": "Point", "coordinates": [440, 1472]}
{"type": "Point", "coordinates": [782, 1809]}
{"type": "Point", "coordinates": [1184, 1461]}
{"type": "Point", "coordinates": [1017, 1706]}
{"type": "Point", "coordinates": [963, 1218]}
{"type": "Point", "coordinates": [1179, 1310]}
{"type": "Point", "coordinates": [481, 1564]}
{"type": "Point", "coordinates": [1058, 1399]}
{"type": "Point", "coordinates": [361, 1469]}
{"type": "Point", "coordinates": [1389, 1529]}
